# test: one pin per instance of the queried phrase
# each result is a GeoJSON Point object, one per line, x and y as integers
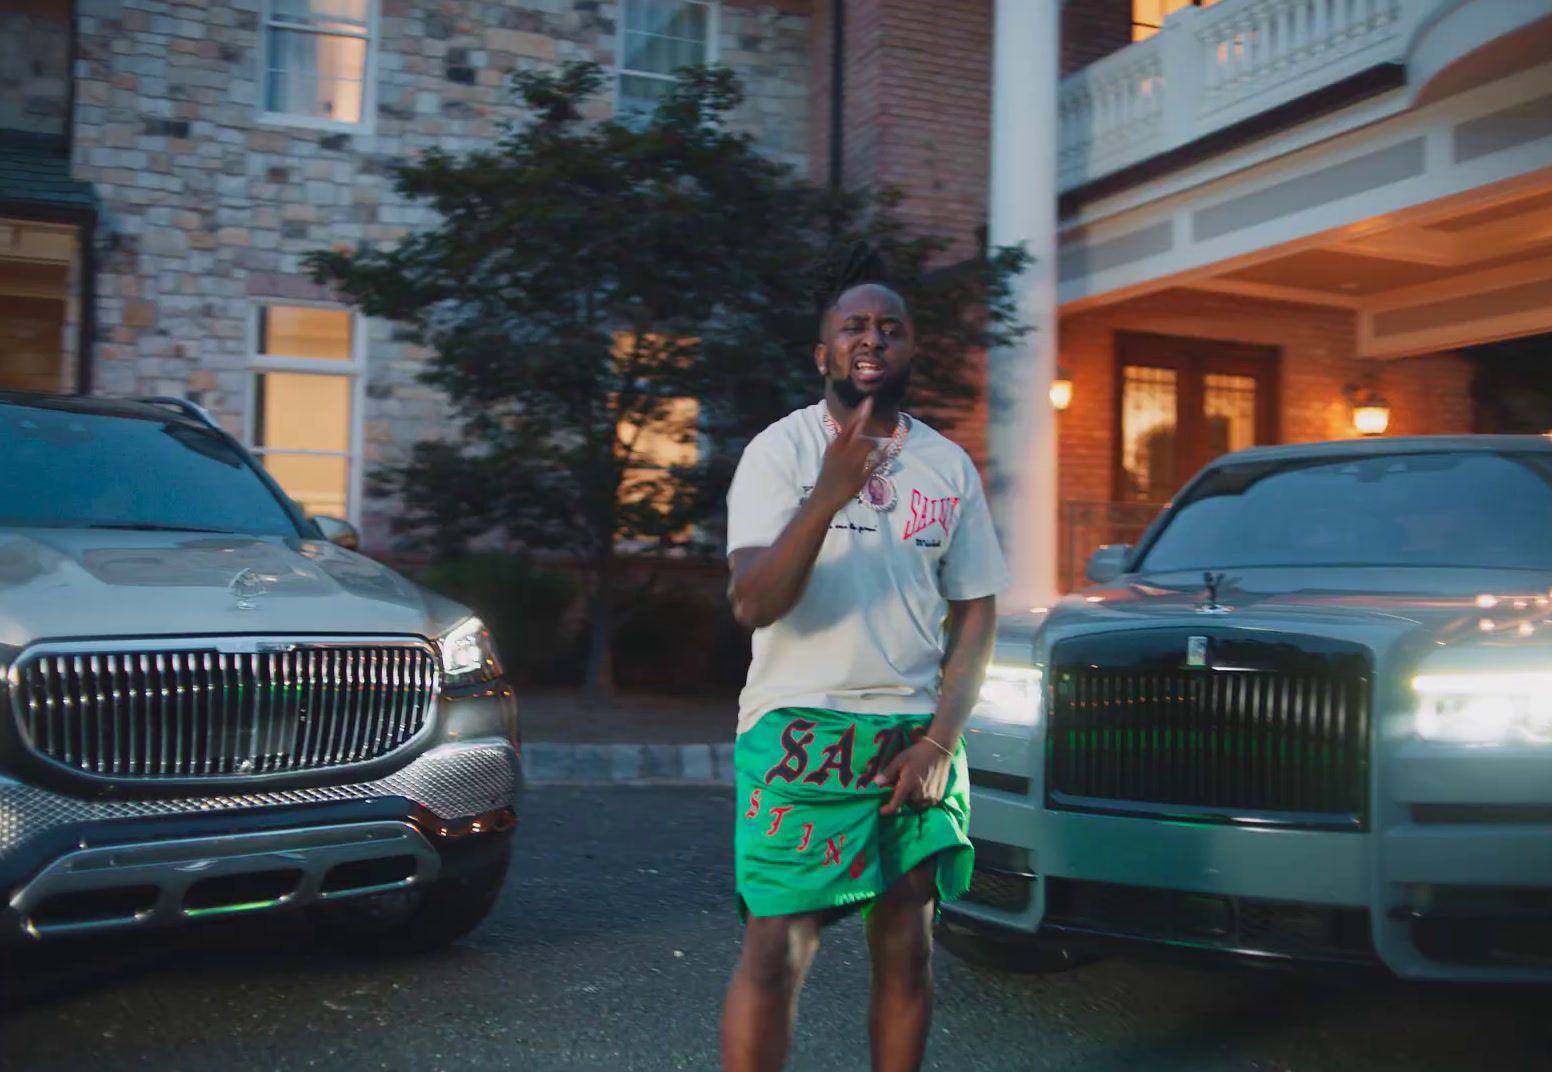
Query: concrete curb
{"type": "Point", "coordinates": [550, 763]}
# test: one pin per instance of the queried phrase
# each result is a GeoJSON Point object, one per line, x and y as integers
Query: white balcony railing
{"type": "Point", "coordinates": [1209, 68]}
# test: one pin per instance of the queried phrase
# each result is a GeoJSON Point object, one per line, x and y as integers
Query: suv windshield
{"type": "Point", "coordinates": [1461, 509]}
{"type": "Point", "coordinates": [83, 470]}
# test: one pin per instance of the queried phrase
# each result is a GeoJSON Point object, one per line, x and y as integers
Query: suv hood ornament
{"type": "Point", "coordinates": [1209, 603]}
{"type": "Point", "coordinates": [245, 587]}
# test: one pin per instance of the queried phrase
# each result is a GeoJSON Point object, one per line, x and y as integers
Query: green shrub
{"type": "Point", "coordinates": [678, 641]}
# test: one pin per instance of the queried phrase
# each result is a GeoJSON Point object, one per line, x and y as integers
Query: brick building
{"type": "Point", "coordinates": [1270, 213]}
{"type": "Point", "coordinates": [1248, 215]}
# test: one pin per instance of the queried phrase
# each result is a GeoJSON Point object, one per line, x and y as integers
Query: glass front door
{"type": "Point", "coordinates": [1183, 402]}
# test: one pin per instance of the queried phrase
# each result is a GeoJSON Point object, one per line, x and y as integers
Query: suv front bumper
{"type": "Point", "coordinates": [73, 865]}
{"type": "Point", "coordinates": [1453, 882]}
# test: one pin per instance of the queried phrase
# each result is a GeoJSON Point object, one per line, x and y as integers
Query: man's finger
{"type": "Point", "coordinates": [895, 800]}
{"type": "Point", "coordinates": [891, 771]}
{"type": "Point", "coordinates": [859, 419]}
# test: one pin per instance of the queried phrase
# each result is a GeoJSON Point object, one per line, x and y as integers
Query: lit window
{"type": "Point", "coordinates": [301, 420]}
{"type": "Point", "coordinates": [668, 440]}
{"type": "Point", "coordinates": [1148, 15]}
{"type": "Point", "coordinates": [659, 37]}
{"type": "Point", "coordinates": [316, 60]}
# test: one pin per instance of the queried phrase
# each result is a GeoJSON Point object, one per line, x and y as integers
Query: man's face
{"type": "Point", "coordinates": [868, 346]}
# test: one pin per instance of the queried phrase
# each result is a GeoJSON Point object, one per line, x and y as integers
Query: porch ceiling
{"type": "Point", "coordinates": [1456, 245]}
{"type": "Point", "coordinates": [1332, 272]}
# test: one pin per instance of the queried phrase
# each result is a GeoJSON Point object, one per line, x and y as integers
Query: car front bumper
{"type": "Point", "coordinates": [71, 865]}
{"type": "Point", "coordinates": [1452, 880]}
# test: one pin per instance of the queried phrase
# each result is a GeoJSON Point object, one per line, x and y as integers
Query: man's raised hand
{"type": "Point", "coordinates": [848, 462]}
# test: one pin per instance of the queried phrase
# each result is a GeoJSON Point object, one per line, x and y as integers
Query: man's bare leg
{"type": "Point", "coordinates": [762, 999]}
{"type": "Point", "coordinates": [900, 940]}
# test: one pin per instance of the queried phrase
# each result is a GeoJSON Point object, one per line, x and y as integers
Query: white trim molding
{"type": "Point", "coordinates": [1357, 190]}
{"type": "Point", "coordinates": [1476, 307]}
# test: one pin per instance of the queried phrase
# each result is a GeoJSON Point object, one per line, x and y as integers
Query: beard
{"type": "Point", "coordinates": [888, 393]}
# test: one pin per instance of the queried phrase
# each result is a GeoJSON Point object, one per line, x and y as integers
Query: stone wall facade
{"type": "Point", "coordinates": [34, 65]}
{"type": "Point", "coordinates": [209, 208]}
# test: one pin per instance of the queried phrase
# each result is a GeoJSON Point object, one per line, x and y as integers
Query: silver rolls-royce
{"type": "Point", "coordinates": [1307, 718]}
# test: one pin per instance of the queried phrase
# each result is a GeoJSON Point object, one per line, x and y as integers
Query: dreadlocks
{"type": "Point", "coordinates": [861, 265]}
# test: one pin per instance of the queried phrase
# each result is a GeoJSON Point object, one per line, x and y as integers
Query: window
{"type": "Point", "coordinates": [659, 37]}
{"type": "Point", "coordinates": [317, 61]}
{"type": "Point", "coordinates": [666, 439]}
{"type": "Point", "coordinates": [1182, 403]}
{"type": "Point", "coordinates": [304, 404]}
{"type": "Point", "coordinates": [663, 443]}
{"type": "Point", "coordinates": [1148, 15]}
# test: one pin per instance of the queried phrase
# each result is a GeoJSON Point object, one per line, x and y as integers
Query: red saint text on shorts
{"type": "Point", "coordinates": [754, 805]}
{"type": "Point", "coordinates": [837, 758]}
{"type": "Point", "coordinates": [795, 739]}
{"type": "Point", "coordinates": [780, 814]}
{"type": "Point", "coordinates": [833, 848]}
{"type": "Point", "coordinates": [808, 833]}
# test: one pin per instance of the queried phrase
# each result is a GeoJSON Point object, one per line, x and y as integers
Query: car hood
{"type": "Point", "coordinates": [1455, 609]}
{"type": "Point", "coordinates": [74, 583]}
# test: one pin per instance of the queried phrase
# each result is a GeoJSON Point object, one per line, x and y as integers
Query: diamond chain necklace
{"type": "Point", "coordinates": [879, 492]}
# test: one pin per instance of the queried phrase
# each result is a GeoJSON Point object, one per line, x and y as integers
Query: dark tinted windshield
{"type": "Point", "coordinates": [59, 468]}
{"type": "Point", "coordinates": [1472, 509]}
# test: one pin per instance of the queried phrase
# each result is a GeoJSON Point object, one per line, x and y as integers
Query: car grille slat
{"type": "Point", "coordinates": [195, 712]}
{"type": "Point", "coordinates": [307, 697]}
{"type": "Point", "coordinates": [336, 706]}
{"type": "Point", "coordinates": [1274, 729]}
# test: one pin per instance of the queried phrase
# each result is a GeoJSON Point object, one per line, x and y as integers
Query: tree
{"type": "Point", "coordinates": [585, 278]}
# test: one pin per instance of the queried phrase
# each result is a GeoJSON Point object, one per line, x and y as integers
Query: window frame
{"type": "Point", "coordinates": [354, 369]}
{"type": "Point", "coordinates": [367, 123]}
{"type": "Point", "coordinates": [713, 40]}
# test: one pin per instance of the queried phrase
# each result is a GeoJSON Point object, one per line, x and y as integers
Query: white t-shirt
{"type": "Point", "coordinates": [867, 634]}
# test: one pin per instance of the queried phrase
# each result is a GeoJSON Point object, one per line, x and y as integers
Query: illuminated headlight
{"type": "Point", "coordinates": [468, 656]}
{"type": "Point", "coordinates": [1010, 694]}
{"type": "Point", "coordinates": [1485, 708]}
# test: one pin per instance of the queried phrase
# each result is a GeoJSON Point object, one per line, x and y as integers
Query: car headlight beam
{"type": "Point", "coordinates": [1010, 694]}
{"type": "Point", "coordinates": [1485, 708]}
{"type": "Point", "coordinates": [468, 656]}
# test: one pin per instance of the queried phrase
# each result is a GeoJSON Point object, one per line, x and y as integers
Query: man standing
{"type": "Point", "coordinates": [863, 555]}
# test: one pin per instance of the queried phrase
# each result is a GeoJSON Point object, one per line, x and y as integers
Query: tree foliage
{"type": "Point", "coordinates": [584, 278]}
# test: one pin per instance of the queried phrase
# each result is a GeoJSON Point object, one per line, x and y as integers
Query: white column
{"type": "Point", "coordinates": [1021, 424]}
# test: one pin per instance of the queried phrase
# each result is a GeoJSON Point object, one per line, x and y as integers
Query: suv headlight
{"type": "Point", "coordinates": [1485, 708]}
{"type": "Point", "coordinates": [1010, 694]}
{"type": "Point", "coordinates": [468, 656]}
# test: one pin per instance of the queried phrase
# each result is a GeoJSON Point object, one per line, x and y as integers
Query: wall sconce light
{"type": "Point", "coordinates": [1061, 389]}
{"type": "Point", "coordinates": [1371, 413]}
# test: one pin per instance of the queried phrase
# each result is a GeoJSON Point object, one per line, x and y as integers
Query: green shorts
{"type": "Point", "coordinates": [809, 836]}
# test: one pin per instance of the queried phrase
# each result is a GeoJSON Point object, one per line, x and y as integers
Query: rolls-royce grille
{"type": "Point", "coordinates": [196, 713]}
{"type": "Point", "coordinates": [1275, 727]}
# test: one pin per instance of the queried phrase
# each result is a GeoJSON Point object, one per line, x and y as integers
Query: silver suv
{"type": "Point", "coordinates": [209, 706]}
